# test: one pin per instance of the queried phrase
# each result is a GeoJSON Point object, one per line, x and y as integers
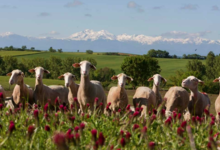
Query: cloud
{"type": "Point", "coordinates": [88, 15]}
{"type": "Point", "coordinates": [54, 33]}
{"type": "Point", "coordinates": [44, 14]}
{"type": "Point", "coordinates": [190, 7]}
{"type": "Point", "coordinates": [157, 7]}
{"type": "Point", "coordinates": [215, 7]}
{"type": "Point", "coordinates": [179, 34]}
{"type": "Point", "coordinates": [135, 6]}
{"type": "Point", "coordinates": [8, 7]}
{"type": "Point", "coordinates": [73, 4]}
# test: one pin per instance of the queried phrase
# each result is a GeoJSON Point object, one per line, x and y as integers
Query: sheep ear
{"type": "Point", "coordinates": [150, 79]}
{"type": "Point", "coordinates": [200, 81]}
{"type": "Point", "coordinates": [31, 70]}
{"type": "Point", "coordinates": [129, 79]}
{"type": "Point", "coordinates": [216, 80]}
{"type": "Point", "coordinates": [93, 67]}
{"type": "Point", "coordinates": [46, 71]}
{"type": "Point", "coordinates": [114, 77]}
{"type": "Point", "coordinates": [60, 77]}
{"type": "Point", "coordinates": [9, 74]}
{"type": "Point", "coordinates": [163, 79]}
{"type": "Point", "coordinates": [74, 77]}
{"type": "Point", "coordinates": [76, 65]}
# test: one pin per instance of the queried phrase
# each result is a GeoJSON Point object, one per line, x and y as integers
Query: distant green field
{"type": "Point", "coordinates": [16, 53]}
{"type": "Point", "coordinates": [168, 66]}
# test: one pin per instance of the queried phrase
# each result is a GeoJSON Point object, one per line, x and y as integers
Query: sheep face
{"type": "Point", "coordinates": [16, 77]}
{"type": "Point", "coordinates": [39, 72]}
{"type": "Point", "coordinates": [157, 78]}
{"type": "Point", "coordinates": [191, 82]}
{"type": "Point", "coordinates": [85, 67]}
{"type": "Point", "coordinates": [122, 78]}
{"type": "Point", "coordinates": [68, 78]}
{"type": "Point", "coordinates": [217, 80]}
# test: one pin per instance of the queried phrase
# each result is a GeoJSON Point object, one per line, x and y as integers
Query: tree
{"type": "Point", "coordinates": [210, 65]}
{"type": "Point", "coordinates": [32, 48]}
{"type": "Point", "coordinates": [60, 50]}
{"type": "Point", "coordinates": [10, 63]}
{"type": "Point", "coordinates": [196, 65]}
{"type": "Point", "coordinates": [89, 51]}
{"type": "Point", "coordinates": [55, 66]}
{"type": "Point", "coordinates": [51, 49]}
{"type": "Point", "coordinates": [78, 51]}
{"type": "Point", "coordinates": [24, 47]}
{"type": "Point", "coordinates": [174, 56]}
{"type": "Point", "coordinates": [152, 53]}
{"type": "Point", "coordinates": [140, 68]}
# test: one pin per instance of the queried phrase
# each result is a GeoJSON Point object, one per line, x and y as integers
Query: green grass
{"type": "Point", "coordinates": [16, 53]}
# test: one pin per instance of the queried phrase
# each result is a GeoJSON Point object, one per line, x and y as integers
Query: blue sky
{"type": "Point", "coordinates": [61, 18]}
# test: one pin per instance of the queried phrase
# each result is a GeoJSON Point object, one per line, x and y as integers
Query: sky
{"type": "Point", "coordinates": [61, 18]}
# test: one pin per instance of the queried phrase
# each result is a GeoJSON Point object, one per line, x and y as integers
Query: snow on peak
{"type": "Point", "coordinates": [6, 34]}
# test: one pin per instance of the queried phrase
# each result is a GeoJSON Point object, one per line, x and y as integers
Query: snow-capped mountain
{"type": "Point", "coordinates": [103, 41]}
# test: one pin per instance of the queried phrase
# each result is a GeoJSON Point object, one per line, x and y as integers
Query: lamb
{"type": "Point", "coordinates": [21, 91]}
{"type": "Point", "coordinates": [176, 98]}
{"type": "Point", "coordinates": [144, 97]}
{"type": "Point", "coordinates": [43, 93]}
{"type": "Point", "coordinates": [157, 78]}
{"type": "Point", "coordinates": [217, 102]}
{"type": "Point", "coordinates": [117, 96]}
{"type": "Point", "coordinates": [89, 90]}
{"type": "Point", "coordinates": [71, 85]}
{"type": "Point", "coordinates": [197, 101]}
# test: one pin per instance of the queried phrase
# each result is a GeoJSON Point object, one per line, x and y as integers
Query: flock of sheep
{"type": "Point", "coordinates": [90, 91]}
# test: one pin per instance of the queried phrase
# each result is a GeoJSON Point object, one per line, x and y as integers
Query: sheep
{"type": "Point", "coordinates": [156, 86]}
{"type": "Point", "coordinates": [197, 101]}
{"type": "Point", "coordinates": [117, 96]}
{"type": "Point", "coordinates": [144, 97]}
{"type": "Point", "coordinates": [21, 91]}
{"type": "Point", "coordinates": [43, 93]}
{"type": "Point", "coordinates": [71, 85]}
{"type": "Point", "coordinates": [89, 90]}
{"type": "Point", "coordinates": [217, 102]}
{"type": "Point", "coordinates": [176, 98]}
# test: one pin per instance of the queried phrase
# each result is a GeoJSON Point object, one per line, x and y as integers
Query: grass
{"type": "Point", "coordinates": [16, 53]}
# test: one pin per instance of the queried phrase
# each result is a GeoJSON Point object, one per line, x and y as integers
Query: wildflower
{"type": "Point", "coordinates": [82, 125]}
{"type": "Point", "coordinates": [151, 145]}
{"type": "Point", "coordinates": [198, 119]}
{"type": "Point", "coordinates": [206, 112]}
{"type": "Point", "coordinates": [149, 113]}
{"type": "Point", "coordinates": [71, 106]}
{"type": "Point", "coordinates": [65, 108]}
{"type": "Point", "coordinates": [212, 123]}
{"type": "Point", "coordinates": [87, 104]}
{"type": "Point", "coordinates": [69, 136]}
{"type": "Point", "coordinates": [128, 135]}
{"type": "Point", "coordinates": [36, 113]}
{"type": "Point", "coordinates": [174, 114]}
{"type": "Point", "coordinates": [128, 107]}
{"type": "Point", "coordinates": [119, 110]}
{"type": "Point", "coordinates": [46, 107]}
{"type": "Point", "coordinates": [75, 99]}
{"type": "Point", "coordinates": [179, 116]}
{"type": "Point", "coordinates": [47, 128]}
{"type": "Point", "coordinates": [56, 101]}
{"type": "Point", "coordinates": [100, 104]}
{"type": "Point", "coordinates": [111, 147]}
{"type": "Point", "coordinates": [72, 119]}
{"type": "Point", "coordinates": [101, 139]}
{"type": "Point", "coordinates": [168, 121]}
{"type": "Point", "coordinates": [136, 126]}
{"type": "Point", "coordinates": [1, 95]}
{"type": "Point", "coordinates": [193, 119]}
{"type": "Point", "coordinates": [141, 109]}
{"type": "Point", "coordinates": [46, 116]}
{"type": "Point", "coordinates": [11, 127]}
{"type": "Point", "coordinates": [61, 107]}
{"type": "Point", "coordinates": [216, 135]}
{"type": "Point", "coordinates": [77, 136]}
{"type": "Point", "coordinates": [94, 133]}
{"type": "Point", "coordinates": [210, 132]}
{"type": "Point", "coordinates": [96, 145]}
{"type": "Point", "coordinates": [137, 109]}
{"type": "Point", "coordinates": [209, 145]}
{"type": "Point", "coordinates": [183, 124]}
{"type": "Point", "coordinates": [136, 113]}
{"type": "Point", "coordinates": [144, 130]}
{"type": "Point", "coordinates": [213, 119]}
{"type": "Point", "coordinates": [87, 116]}
{"type": "Point", "coordinates": [35, 106]}
{"type": "Point", "coordinates": [76, 128]}
{"type": "Point", "coordinates": [180, 131]}
{"type": "Point", "coordinates": [163, 112]}
{"type": "Point", "coordinates": [59, 141]}
{"type": "Point", "coordinates": [153, 117]}
{"type": "Point", "coordinates": [122, 133]}
{"type": "Point", "coordinates": [1, 106]}
{"type": "Point", "coordinates": [96, 100]}
{"type": "Point", "coordinates": [122, 142]}
{"type": "Point", "coordinates": [154, 111]}
{"type": "Point", "coordinates": [30, 131]}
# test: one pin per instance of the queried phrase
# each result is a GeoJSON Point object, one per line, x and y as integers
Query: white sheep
{"type": "Point", "coordinates": [176, 98]}
{"type": "Point", "coordinates": [21, 91]}
{"type": "Point", "coordinates": [217, 102]}
{"type": "Point", "coordinates": [71, 85]}
{"type": "Point", "coordinates": [89, 90]}
{"type": "Point", "coordinates": [144, 97]}
{"type": "Point", "coordinates": [117, 96]}
{"type": "Point", "coordinates": [43, 93]}
{"type": "Point", "coordinates": [157, 78]}
{"type": "Point", "coordinates": [198, 101]}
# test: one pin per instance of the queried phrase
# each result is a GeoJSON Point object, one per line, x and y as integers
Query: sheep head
{"type": "Point", "coordinates": [157, 78]}
{"type": "Point", "coordinates": [85, 67]}
{"type": "Point", "coordinates": [68, 78]}
{"type": "Point", "coordinates": [122, 78]}
{"type": "Point", "coordinates": [16, 77]}
{"type": "Point", "coordinates": [191, 82]}
{"type": "Point", "coordinates": [39, 72]}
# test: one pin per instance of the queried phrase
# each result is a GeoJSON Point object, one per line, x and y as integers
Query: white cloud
{"type": "Point", "coordinates": [179, 34]}
{"type": "Point", "coordinates": [190, 6]}
{"type": "Point", "coordinates": [73, 4]}
{"type": "Point", "coordinates": [135, 6]}
{"type": "Point", "coordinates": [6, 34]}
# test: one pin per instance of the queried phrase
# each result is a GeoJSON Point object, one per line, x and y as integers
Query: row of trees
{"type": "Point", "coordinates": [23, 48]}
{"type": "Point", "coordinates": [193, 56]}
{"type": "Point", "coordinates": [207, 72]}
{"type": "Point", "coordinates": [159, 54]}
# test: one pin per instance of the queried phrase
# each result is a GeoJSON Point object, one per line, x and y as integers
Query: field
{"type": "Point", "coordinates": [168, 66]}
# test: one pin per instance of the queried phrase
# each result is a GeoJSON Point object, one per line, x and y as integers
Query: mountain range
{"type": "Point", "coordinates": [103, 41]}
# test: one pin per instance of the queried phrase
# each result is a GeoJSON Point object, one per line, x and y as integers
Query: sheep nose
{"type": "Point", "coordinates": [84, 72]}
{"type": "Point", "coordinates": [67, 85]}
{"type": "Point", "coordinates": [11, 82]}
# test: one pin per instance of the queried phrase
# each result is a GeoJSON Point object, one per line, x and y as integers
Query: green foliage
{"type": "Point", "coordinates": [89, 51]}
{"type": "Point", "coordinates": [210, 65]}
{"type": "Point", "coordinates": [197, 66]}
{"type": "Point", "coordinates": [158, 53]}
{"type": "Point", "coordinates": [9, 64]}
{"type": "Point", "coordinates": [193, 56]}
{"type": "Point", "coordinates": [140, 68]}
{"type": "Point", "coordinates": [60, 50]}
{"type": "Point", "coordinates": [51, 49]}
{"type": "Point", "coordinates": [210, 87]}
{"type": "Point", "coordinates": [24, 47]}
